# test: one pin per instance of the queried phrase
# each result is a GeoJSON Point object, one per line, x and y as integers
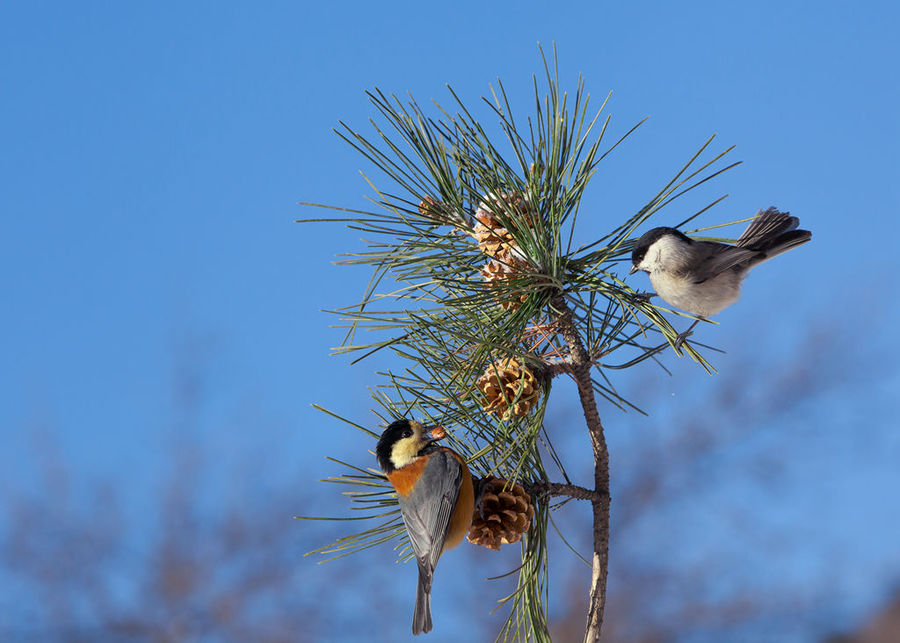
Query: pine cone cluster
{"type": "Point", "coordinates": [493, 238]}
{"type": "Point", "coordinates": [497, 242]}
{"type": "Point", "coordinates": [504, 515]}
{"type": "Point", "coordinates": [509, 388]}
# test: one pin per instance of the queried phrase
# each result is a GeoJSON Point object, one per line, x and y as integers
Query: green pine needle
{"type": "Point", "coordinates": [428, 304]}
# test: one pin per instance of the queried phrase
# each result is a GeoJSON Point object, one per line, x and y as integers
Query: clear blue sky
{"type": "Point", "coordinates": [153, 154]}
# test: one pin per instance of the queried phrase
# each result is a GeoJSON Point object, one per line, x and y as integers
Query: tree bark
{"type": "Point", "coordinates": [580, 367]}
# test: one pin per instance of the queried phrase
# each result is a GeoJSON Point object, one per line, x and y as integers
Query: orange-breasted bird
{"type": "Point", "coordinates": [436, 497]}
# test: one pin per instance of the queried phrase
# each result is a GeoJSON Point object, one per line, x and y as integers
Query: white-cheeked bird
{"type": "Point", "coordinates": [704, 277]}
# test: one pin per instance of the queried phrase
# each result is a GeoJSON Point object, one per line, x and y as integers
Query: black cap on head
{"type": "Point", "coordinates": [639, 250]}
{"type": "Point", "coordinates": [395, 431]}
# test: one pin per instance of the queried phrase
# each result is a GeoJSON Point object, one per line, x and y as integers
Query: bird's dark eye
{"type": "Point", "coordinates": [407, 433]}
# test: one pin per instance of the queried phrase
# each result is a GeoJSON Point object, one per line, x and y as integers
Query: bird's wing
{"type": "Point", "coordinates": [715, 258]}
{"type": "Point", "coordinates": [765, 226]}
{"type": "Point", "coordinates": [426, 510]}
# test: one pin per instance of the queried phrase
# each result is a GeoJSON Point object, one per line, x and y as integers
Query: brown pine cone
{"type": "Point", "coordinates": [428, 206]}
{"type": "Point", "coordinates": [504, 515]}
{"type": "Point", "coordinates": [500, 386]}
{"type": "Point", "coordinates": [511, 204]}
{"type": "Point", "coordinates": [496, 271]}
{"type": "Point", "coordinates": [495, 240]}
{"type": "Point", "coordinates": [496, 243]}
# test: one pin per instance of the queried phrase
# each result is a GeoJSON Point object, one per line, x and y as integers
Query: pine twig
{"type": "Point", "coordinates": [561, 489]}
{"type": "Point", "coordinates": [449, 306]}
{"type": "Point", "coordinates": [580, 368]}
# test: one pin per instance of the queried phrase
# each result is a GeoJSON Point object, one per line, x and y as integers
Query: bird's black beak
{"type": "Point", "coordinates": [633, 270]}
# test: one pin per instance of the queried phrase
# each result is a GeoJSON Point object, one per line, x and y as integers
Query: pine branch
{"type": "Point", "coordinates": [551, 489]}
{"type": "Point", "coordinates": [562, 365]}
{"type": "Point", "coordinates": [580, 368]}
{"type": "Point", "coordinates": [477, 290]}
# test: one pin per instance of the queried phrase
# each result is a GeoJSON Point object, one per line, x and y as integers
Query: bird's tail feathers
{"type": "Point", "coordinates": [766, 229]}
{"type": "Point", "coordinates": [783, 243]}
{"type": "Point", "coordinates": [422, 611]}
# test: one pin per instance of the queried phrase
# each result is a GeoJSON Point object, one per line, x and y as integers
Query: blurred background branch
{"type": "Point", "coordinates": [221, 561]}
{"type": "Point", "coordinates": [152, 157]}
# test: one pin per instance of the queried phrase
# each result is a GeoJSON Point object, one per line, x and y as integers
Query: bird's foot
{"type": "Point", "coordinates": [681, 338]}
{"type": "Point", "coordinates": [641, 297]}
{"type": "Point", "coordinates": [684, 335]}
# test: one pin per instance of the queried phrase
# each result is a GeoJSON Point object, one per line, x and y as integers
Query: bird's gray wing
{"type": "Point", "coordinates": [766, 226]}
{"type": "Point", "coordinates": [426, 510]}
{"type": "Point", "coordinates": [713, 258]}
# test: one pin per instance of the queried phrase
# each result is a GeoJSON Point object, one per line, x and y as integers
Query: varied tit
{"type": "Point", "coordinates": [436, 497]}
{"type": "Point", "coordinates": [704, 277]}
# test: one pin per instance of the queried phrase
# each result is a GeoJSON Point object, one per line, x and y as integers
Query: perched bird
{"type": "Point", "coordinates": [436, 497]}
{"type": "Point", "coordinates": [704, 277]}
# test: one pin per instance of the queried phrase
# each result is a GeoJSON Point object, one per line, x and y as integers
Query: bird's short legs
{"type": "Point", "coordinates": [683, 336]}
{"type": "Point", "coordinates": [642, 297]}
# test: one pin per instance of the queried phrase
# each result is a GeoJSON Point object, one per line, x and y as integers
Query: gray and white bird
{"type": "Point", "coordinates": [704, 277]}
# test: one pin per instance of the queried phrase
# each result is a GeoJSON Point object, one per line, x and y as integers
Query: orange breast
{"type": "Point", "coordinates": [404, 479]}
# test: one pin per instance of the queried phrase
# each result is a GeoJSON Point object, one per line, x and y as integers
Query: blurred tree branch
{"type": "Point", "coordinates": [194, 566]}
{"type": "Point", "coordinates": [756, 396]}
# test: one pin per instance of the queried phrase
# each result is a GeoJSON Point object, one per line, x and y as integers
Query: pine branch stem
{"type": "Point", "coordinates": [558, 366]}
{"type": "Point", "coordinates": [570, 490]}
{"type": "Point", "coordinates": [580, 368]}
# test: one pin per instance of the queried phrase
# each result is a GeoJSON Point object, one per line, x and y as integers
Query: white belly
{"type": "Point", "coordinates": [703, 300]}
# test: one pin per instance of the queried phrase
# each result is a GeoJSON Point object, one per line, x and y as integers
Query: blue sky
{"type": "Point", "coordinates": [153, 155]}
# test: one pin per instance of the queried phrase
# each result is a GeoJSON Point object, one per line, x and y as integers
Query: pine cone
{"type": "Point", "coordinates": [500, 386]}
{"type": "Point", "coordinates": [438, 212]}
{"type": "Point", "coordinates": [497, 271]}
{"type": "Point", "coordinates": [512, 204]}
{"type": "Point", "coordinates": [495, 242]}
{"type": "Point", "coordinates": [428, 207]}
{"type": "Point", "coordinates": [503, 516]}
{"type": "Point", "coordinates": [493, 238]}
